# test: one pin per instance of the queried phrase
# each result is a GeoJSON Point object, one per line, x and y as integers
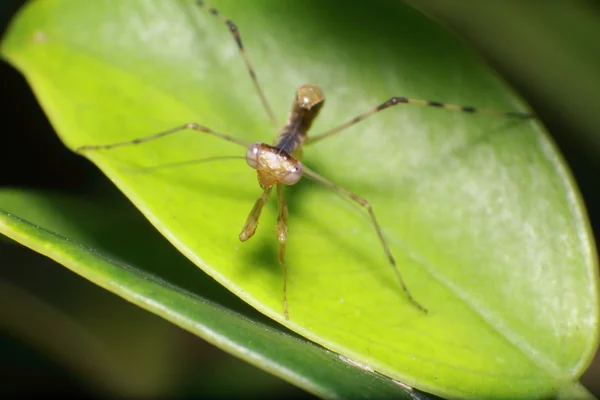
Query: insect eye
{"type": "Point", "coordinates": [294, 175]}
{"type": "Point", "coordinates": [252, 155]}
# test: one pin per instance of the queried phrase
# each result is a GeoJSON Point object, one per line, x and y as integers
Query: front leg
{"type": "Point", "coordinates": [282, 231]}
{"type": "Point", "coordinates": [367, 206]}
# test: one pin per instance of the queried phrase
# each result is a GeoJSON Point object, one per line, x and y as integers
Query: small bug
{"type": "Point", "coordinates": [279, 164]}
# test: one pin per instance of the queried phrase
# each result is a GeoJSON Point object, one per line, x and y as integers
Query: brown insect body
{"type": "Point", "coordinates": [274, 165]}
{"type": "Point", "coordinates": [307, 104]}
{"type": "Point", "coordinates": [281, 163]}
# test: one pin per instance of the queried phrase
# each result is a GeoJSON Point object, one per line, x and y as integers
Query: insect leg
{"type": "Point", "coordinates": [238, 40]}
{"type": "Point", "coordinates": [252, 220]}
{"type": "Point", "coordinates": [426, 103]}
{"type": "Point", "coordinates": [193, 126]}
{"type": "Point", "coordinates": [365, 204]}
{"type": "Point", "coordinates": [282, 231]}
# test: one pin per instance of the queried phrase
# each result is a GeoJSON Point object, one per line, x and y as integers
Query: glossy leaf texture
{"type": "Point", "coordinates": [481, 212]}
{"type": "Point", "coordinates": [93, 234]}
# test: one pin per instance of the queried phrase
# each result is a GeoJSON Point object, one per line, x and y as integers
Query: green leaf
{"type": "Point", "coordinates": [480, 212]}
{"type": "Point", "coordinates": [557, 35]}
{"type": "Point", "coordinates": [98, 236]}
{"type": "Point", "coordinates": [134, 354]}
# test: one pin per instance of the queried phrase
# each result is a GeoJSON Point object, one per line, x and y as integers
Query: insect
{"type": "Point", "coordinates": [279, 164]}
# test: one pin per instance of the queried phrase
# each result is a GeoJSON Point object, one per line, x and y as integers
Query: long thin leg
{"type": "Point", "coordinates": [386, 248]}
{"type": "Point", "coordinates": [252, 220]}
{"type": "Point", "coordinates": [282, 231]}
{"type": "Point", "coordinates": [193, 126]}
{"type": "Point", "coordinates": [403, 100]}
{"type": "Point", "coordinates": [186, 163]}
{"type": "Point", "coordinates": [236, 35]}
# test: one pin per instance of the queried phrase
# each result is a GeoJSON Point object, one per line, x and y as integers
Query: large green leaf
{"type": "Point", "coordinates": [97, 236]}
{"type": "Point", "coordinates": [480, 212]}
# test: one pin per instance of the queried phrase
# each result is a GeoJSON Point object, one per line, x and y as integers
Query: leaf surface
{"type": "Point", "coordinates": [480, 212]}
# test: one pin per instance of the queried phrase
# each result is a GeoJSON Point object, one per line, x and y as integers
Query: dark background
{"type": "Point", "coordinates": [33, 156]}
